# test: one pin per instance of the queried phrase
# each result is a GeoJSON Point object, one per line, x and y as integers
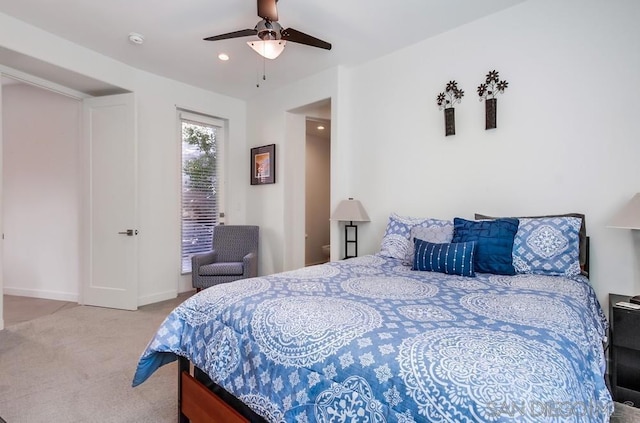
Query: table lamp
{"type": "Point", "coordinates": [629, 216]}
{"type": "Point", "coordinates": [350, 211]}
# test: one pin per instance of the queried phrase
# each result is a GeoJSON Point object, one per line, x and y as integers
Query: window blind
{"type": "Point", "coordinates": [200, 182]}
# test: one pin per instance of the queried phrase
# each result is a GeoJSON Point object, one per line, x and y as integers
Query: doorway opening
{"type": "Point", "coordinates": [40, 200]}
{"type": "Point", "coordinates": [317, 190]}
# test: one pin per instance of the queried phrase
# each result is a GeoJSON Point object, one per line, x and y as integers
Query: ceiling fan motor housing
{"type": "Point", "coordinates": [268, 30]}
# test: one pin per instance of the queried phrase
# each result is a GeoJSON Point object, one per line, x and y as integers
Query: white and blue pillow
{"type": "Point", "coordinates": [396, 242]}
{"type": "Point", "coordinates": [451, 258]}
{"type": "Point", "coordinates": [548, 246]}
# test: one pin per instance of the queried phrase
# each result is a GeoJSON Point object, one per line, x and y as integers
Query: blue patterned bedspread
{"type": "Point", "coordinates": [370, 340]}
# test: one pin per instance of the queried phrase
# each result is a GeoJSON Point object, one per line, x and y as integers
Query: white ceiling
{"type": "Point", "coordinates": [359, 30]}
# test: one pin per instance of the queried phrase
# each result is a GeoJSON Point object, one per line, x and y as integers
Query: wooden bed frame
{"type": "Point", "coordinates": [202, 401]}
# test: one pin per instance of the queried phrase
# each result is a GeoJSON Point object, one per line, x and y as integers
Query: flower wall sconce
{"type": "Point", "coordinates": [446, 100]}
{"type": "Point", "coordinates": [488, 91]}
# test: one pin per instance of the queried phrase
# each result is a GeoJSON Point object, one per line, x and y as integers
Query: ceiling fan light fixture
{"type": "Point", "coordinates": [269, 49]}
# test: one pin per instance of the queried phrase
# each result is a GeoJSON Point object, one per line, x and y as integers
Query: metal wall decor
{"type": "Point", "coordinates": [487, 92]}
{"type": "Point", "coordinates": [446, 100]}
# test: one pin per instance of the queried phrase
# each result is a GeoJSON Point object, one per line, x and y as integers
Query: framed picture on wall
{"type": "Point", "coordinates": [263, 165]}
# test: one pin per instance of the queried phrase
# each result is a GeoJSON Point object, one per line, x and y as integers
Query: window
{"type": "Point", "coordinates": [201, 171]}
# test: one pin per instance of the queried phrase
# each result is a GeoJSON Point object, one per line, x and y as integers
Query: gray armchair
{"type": "Point", "coordinates": [234, 256]}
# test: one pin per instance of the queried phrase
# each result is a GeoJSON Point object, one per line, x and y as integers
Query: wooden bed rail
{"type": "Point", "coordinates": [197, 404]}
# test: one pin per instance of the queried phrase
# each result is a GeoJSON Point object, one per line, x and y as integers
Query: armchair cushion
{"type": "Point", "coordinates": [222, 269]}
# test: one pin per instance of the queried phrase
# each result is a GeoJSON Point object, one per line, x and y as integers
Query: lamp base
{"type": "Point", "coordinates": [348, 241]}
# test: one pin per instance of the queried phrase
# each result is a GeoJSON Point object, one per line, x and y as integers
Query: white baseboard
{"type": "Point", "coordinates": [156, 298]}
{"type": "Point", "coordinates": [74, 298]}
{"type": "Point", "coordinates": [41, 293]}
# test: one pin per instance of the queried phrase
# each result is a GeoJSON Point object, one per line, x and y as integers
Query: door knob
{"type": "Point", "coordinates": [129, 232]}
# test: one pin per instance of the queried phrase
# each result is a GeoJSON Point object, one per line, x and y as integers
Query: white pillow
{"type": "Point", "coordinates": [442, 233]}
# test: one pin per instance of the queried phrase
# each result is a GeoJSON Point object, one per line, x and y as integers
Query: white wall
{"type": "Point", "coordinates": [40, 173]}
{"type": "Point", "coordinates": [279, 208]}
{"type": "Point", "coordinates": [159, 148]}
{"type": "Point", "coordinates": [567, 135]}
{"type": "Point", "coordinates": [160, 175]}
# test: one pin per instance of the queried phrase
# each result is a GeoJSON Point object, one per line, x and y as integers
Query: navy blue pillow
{"type": "Point", "coordinates": [452, 258]}
{"type": "Point", "coordinates": [494, 240]}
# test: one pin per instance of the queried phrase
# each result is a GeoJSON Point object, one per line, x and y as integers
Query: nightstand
{"type": "Point", "coordinates": [624, 350]}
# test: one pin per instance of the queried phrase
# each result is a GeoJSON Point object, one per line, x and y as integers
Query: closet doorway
{"type": "Point", "coordinates": [44, 211]}
{"type": "Point", "coordinates": [41, 192]}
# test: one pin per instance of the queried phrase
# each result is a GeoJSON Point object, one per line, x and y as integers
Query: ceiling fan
{"type": "Point", "coordinates": [268, 29]}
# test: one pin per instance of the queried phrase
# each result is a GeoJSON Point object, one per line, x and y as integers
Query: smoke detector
{"type": "Point", "coordinates": [136, 38]}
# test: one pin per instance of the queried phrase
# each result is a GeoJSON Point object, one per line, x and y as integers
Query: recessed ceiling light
{"type": "Point", "coordinates": [136, 38]}
{"type": "Point", "coordinates": [320, 127]}
{"type": "Point", "coordinates": [223, 56]}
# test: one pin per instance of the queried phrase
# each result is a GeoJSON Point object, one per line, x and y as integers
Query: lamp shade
{"type": "Point", "coordinates": [269, 49]}
{"type": "Point", "coordinates": [629, 216]}
{"type": "Point", "coordinates": [350, 210]}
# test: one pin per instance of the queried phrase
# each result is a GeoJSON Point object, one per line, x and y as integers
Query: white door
{"type": "Point", "coordinates": [110, 262]}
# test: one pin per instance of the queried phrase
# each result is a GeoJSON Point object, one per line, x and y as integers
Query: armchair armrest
{"type": "Point", "coordinates": [250, 265]}
{"type": "Point", "coordinates": [201, 259]}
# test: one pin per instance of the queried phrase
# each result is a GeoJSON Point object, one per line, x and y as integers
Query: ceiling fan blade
{"type": "Point", "coordinates": [296, 36]}
{"type": "Point", "coordinates": [267, 10]}
{"type": "Point", "coordinates": [235, 34]}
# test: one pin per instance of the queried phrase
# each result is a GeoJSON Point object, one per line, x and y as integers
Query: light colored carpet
{"type": "Point", "coordinates": [22, 309]}
{"type": "Point", "coordinates": [76, 366]}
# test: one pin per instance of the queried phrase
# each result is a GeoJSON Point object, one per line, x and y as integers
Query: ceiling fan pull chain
{"type": "Point", "coordinates": [257, 75]}
{"type": "Point", "coordinates": [264, 69]}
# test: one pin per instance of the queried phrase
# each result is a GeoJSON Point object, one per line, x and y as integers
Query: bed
{"type": "Point", "coordinates": [374, 339]}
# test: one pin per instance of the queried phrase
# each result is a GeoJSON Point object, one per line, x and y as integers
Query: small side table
{"type": "Point", "coordinates": [624, 341]}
